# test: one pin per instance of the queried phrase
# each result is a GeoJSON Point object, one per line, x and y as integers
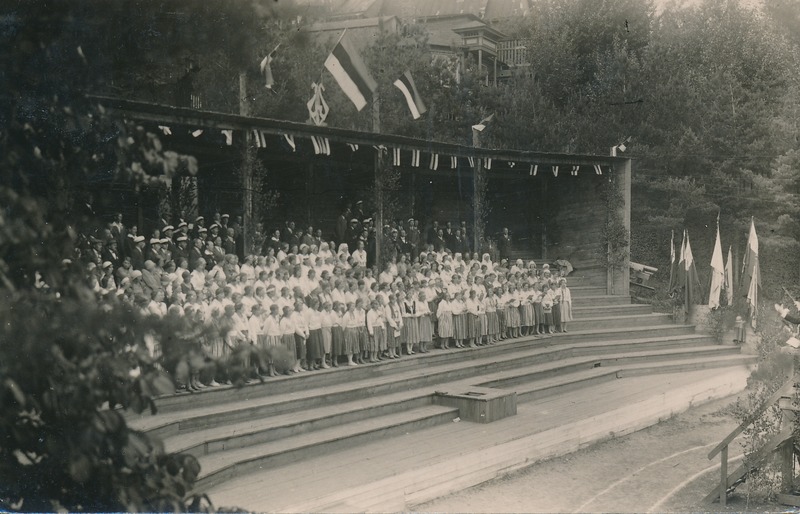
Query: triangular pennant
{"type": "Point", "coordinates": [555, 170]}
{"type": "Point", "coordinates": [353, 147]}
{"type": "Point", "coordinates": [290, 139]}
{"type": "Point", "coordinates": [574, 171]}
{"type": "Point", "coordinates": [534, 170]}
{"type": "Point", "coordinates": [166, 130]}
{"type": "Point", "coordinates": [315, 142]}
{"type": "Point", "coordinates": [512, 164]}
{"type": "Point", "coordinates": [471, 162]}
{"type": "Point", "coordinates": [434, 165]}
{"type": "Point", "coordinates": [197, 133]}
{"type": "Point", "coordinates": [598, 170]}
{"type": "Point", "coordinates": [415, 154]}
{"type": "Point", "coordinates": [453, 162]}
{"type": "Point", "coordinates": [488, 163]}
{"type": "Point", "coordinates": [260, 138]}
{"type": "Point", "coordinates": [396, 156]}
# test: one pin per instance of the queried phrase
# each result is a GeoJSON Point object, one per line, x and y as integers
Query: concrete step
{"type": "Point", "coordinates": [652, 357]}
{"type": "Point", "coordinates": [611, 310]}
{"type": "Point", "coordinates": [620, 322]}
{"type": "Point", "coordinates": [586, 290]}
{"type": "Point", "coordinates": [222, 466]}
{"type": "Point", "coordinates": [538, 389]}
{"type": "Point", "coordinates": [301, 398]}
{"type": "Point", "coordinates": [598, 300]}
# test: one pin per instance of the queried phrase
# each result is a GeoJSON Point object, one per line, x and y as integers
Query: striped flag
{"type": "Point", "coordinates": [260, 138]}
{"type": "Point", "coordinates": [598, 170]}
{"type": "Point", "coordinates": [752, 272]}
{"type": "Point", "coordinates": [290, 139]}
{"type": "Point", "coordinates": [321, 145]}
{"type": "Point", "coordinates": [673, 265]}
{"type": "Point", "coordinates": [574, 171]}
{"type": "Point", "coordinates": [534, 170]}
{"type": "Point", "coordinates": [453, 162]}
{"type": "Point", "coordinates": [434, 165]}
{"type": "Point", "coordinates": [717, 272]}
{"type": "Point", "coordinates": [228, 136]}
{"type": "Point", "coordinates": [728, 283]}
{"type": "Point", "coordinates": [353, 147]}
{"type": "Point", "coordinates": [406, 86]}
{"type": "Point", "coordinates": [415, 154]}
{"type": "Point", "coordinates": [692, 281]}
{"type": "Point", "coordinates": [351, 73]}
{"type": "Point", "coordinates": [488, 163]}
{"type": "Point", "coordinates": [555, 170]}
{"type": "Point", "coordinates": [396, 156]}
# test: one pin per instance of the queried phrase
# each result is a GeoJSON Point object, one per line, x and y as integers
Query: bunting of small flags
{"type": "Point", "coordinates": [228, 133]}
{"type": "Point", "coordinates": [396, 156]}
{"type": "Point", "coordinates": [260, 138]}
{"type": "Point", "coordinates": [598, 170]}
{"type": "Point", "coordinates": [574, 171]}
{"type": "Point", "coordinates": [415, 158]}
{"type": "Point", "coordinates": [290, 139]}
{"type": "Point", "coordinates": [434, 165]}
{"type": "Point", "coordinates": [321, 145]}
{"type": "Point", "coordinates": [379, 148]}
{"type": "Point", "coordinates": [197, 133]}
{"type": "Point", "coordinates": [534, 170]}
{"type": "Point", "coordinates": [166, 130]}
{"type": "Point", "coordinates": [488, 163]}
{"type": "Point", "coordinates": [353, 147]}
{"type": "Point", "coordinates": [453, 162]}
{"type": "Point", "coordinates": [555, 171]}
{"type": "Point", "coordinates": [471, 162]}
{"type": "Point", "coordinates": [512, 164]}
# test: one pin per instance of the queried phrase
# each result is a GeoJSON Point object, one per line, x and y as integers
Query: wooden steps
{"type": "Point", "coordinates": [291, 419]}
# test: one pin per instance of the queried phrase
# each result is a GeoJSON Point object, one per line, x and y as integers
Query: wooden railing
{"type": "Point", "coordinates": [783, 437]}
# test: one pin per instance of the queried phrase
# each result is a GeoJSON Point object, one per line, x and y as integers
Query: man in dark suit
{"type": "Point", "coordinates": [449, 235]}
{"type": "Point", "coordinates": [111, 253]}
{"type": "Point", "coordinates": [196, 253]}
{"type": "Point", "coordinates": [504, 244]}
{"type": "Point", "coordinates": [433, 233]}
{"type": "Point", "coordinates": [137, 253]}
{"type": "Point", "coordinates": [340, 232]}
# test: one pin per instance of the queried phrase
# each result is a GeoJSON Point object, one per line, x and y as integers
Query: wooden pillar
{"type": "Point", "coordinates": [413, 191]}
{"type": "Point", "coordinates": [495, 71]}
{"type": "Point", "coordinates": [309, 191]}
{"type": "Point", "coordinates": [376, 113]}
{"type": "Point", "coordinates": [543, 198]}
{"type": "Point", "coordinates": [618, 278]}
{"type": "Point", "coordinates": [246, 168]}
{"type": "Point", "coordinates": [378, 164]}
{"type": "Point", "coordinates": [723, 473]}
{"type": "Point", "coordinates": [478, 197]}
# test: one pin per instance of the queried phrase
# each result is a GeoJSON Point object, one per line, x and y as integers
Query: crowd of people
{"type": "Point", "coordinates": [323, 302]}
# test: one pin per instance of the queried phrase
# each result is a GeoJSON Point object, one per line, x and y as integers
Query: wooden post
{"type": "Point", "coordinates": [723, 473]}
{"type": "Point", "coordinates": [379, 205]}
{"type": "Point", "coordinates": [495, 71]}
{"type": "Point", "coordinates": [246, 169]}
{"type": "Point", "coordinates": [477, 194]}
{"type": "Point", "coordinates": [309, 191]}
{"type": "Point", "coordinates": [787, 467]}
{"type": "Point", "coordinates": [376, 113]}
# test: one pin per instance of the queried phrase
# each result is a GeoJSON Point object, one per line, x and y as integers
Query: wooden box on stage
{"type": "Point", "coordinates": [480, 404]}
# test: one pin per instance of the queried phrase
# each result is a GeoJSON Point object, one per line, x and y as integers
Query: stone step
{"type": "Point", "coordinates": [619, 322]}
{"type": "Point", "coordinates": [611, 310]}
{"type": "Point", "coordinates": [221, 466]}
{"type": "Point", "coordinates": [600, 300]}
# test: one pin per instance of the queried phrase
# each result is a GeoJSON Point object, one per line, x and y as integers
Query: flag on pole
{"type": "Point", "coordinates": [485, 121]}
{"type": "Point", "coordinates": [680, 275]}
{"type": "Point", "coordinates": [266, 68]}
{"type": "Point", "coordinates": [752, 272]}
{"type": "Point", "coordinates": [728, 283]}
{"type": "Point", "coordinates": [717, 272]}
{"type": "Point", "coordinates": [692, 281]}
{"type": "Point", "coordinates": [406, 86]}
{"type": "Point", "coordinates": [351, 73]}
{"type": "Point", "coordinates": [673, 265]}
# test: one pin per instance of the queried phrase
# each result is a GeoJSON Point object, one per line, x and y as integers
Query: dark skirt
{"type": "Point", "coordinates": [337, 341]}
{"type": "Point", "coordinates": [363, 339]}
{"type": "Point", "coordinates": [314, 344]}
{"type": "Point", "coordinates": [299, 347]}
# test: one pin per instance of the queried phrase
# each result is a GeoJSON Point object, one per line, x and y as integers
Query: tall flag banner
{"type": "Point", "coordinates": [488, 163]}
{"type": "Point", "coordinates": [453, 162]}
{"type": "Point", "coordinates": [728, 283]}
{"type": "Point", "coordinates": [598, 170]}
{"type": "Point", "coordinates": [752, 272]}
{"type": "Point", "coordinates": [351, 73]}
{"type": "Point", "coordinates": [260, 138]}
{"type": "Point", "coordinates": [692, 281]}
{"type": "Point", "coordinates": [290, 139]}
{"type": "Point", "coordinates": [717, 272]}
{"type": "Point", "coordinates": [574, 171]}
{"type": "Point", "coordinates": [406, 86]}
{"type": "Point", "coordinates": [555, 170]}
{"type": "Point", "coordinates": [680, 277]}
{"type": "Point", "coordinates": [353, 147]}
{"type": "Point", "coordinates": [673, 265]}
{"type": "Point", "coordinates": [266, 68]}
{"type": "Point", "coordinates": [228, 133]}
{"type": "Point", "coordinates": [534, 170]}
{"type": "Point", "coordinates": [396, 156]}
{"type": "Point", "coordinates": [434, 165]}
{"type": "Point", "coordinates": [415, 154]}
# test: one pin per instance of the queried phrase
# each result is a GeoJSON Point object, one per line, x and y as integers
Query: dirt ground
{"type": "Point", "coordinates": [663, 468]}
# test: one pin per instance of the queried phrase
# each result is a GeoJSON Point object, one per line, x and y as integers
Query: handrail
{"type": "Point", "coordinates": [782, 391]}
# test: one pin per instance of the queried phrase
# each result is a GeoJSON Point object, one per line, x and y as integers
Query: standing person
{"type": "Point", "coordinates": [425, 326]}
{"type": "Point", "coordinates": [474, 325]}
{"type": "Point", "coordinates": [352, 347]}
{"type": "Point", "coordinates": [547, 308]}
{"type": "Point", "coordinates": [410, 324]}
{"type": "Point", "coordinates": [459, 309]}
{"type": "Point", "coordinates": [271, 337]}
{"type": "Point", "coordinates": [301, 334]}
{"type": "Point", "coordinates": [287, 336]}
{"type": "Point", "coordinates": [444, 315]}
{"type": "Point", "coordinates": [327, 320]}
{"type": "Point", "coordinates": [376, 331]}
{"type": "Point", "coordinates": [492, 322]}
{"type": "Point", "coordinates": [337, 335]}
{"type": "Point", "coordinates": [555, 292]}
{"type": "Point", "coordinates": [314, 347]}
{"type": "Point", "coordinates": [363, 336]}
{"type": "Point", "coordinates": [566, 304]}
{"type": "Point", "coordinates": [504, 244]}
